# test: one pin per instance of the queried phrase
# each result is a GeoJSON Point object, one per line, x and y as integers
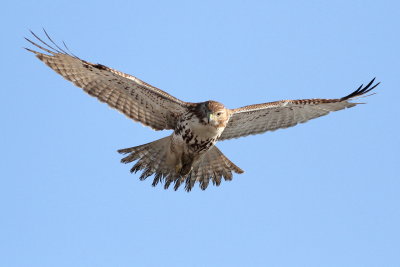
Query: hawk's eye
{"type": "Point", "coordinates": [219, 113]}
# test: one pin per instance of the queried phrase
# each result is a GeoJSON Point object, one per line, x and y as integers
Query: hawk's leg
{"type": "Point", "coordinates": [185, 164]}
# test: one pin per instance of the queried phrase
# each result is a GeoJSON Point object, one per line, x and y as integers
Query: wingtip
{"type": "Point", "coordinates": [361, 91]}
{"type": "Point", "coordinates": [55, 49]}
{"type": "Point", "coordinates": [30, 50]}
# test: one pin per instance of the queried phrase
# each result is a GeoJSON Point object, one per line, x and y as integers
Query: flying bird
{"type": "Point", "coordinates": [189, 154]}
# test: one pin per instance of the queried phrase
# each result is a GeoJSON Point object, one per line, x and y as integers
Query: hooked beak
{"type": "Point", "coordinates": [210, 117]}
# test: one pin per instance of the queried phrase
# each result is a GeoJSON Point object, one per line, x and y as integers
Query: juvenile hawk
{"type": "Point", "coordinates": [189, 154]}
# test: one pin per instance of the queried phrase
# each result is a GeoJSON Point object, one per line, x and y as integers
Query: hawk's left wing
{"type": "Point", "coordinates": [255, 119]}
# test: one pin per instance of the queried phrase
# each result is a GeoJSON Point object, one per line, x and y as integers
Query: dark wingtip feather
{"type": "Point", "coordinates": [60, 50]}
{"type": "Point", "coordinates": [55, 49]}
{"type": "Point", "coordinates": [361, 90]}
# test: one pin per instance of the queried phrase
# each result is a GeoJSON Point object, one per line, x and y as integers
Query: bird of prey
{"type": "Point", "coordinates": [189, 154]}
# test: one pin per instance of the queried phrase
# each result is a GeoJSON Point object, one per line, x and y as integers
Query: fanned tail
{"type": "Point", "coordinates": [156, 159]}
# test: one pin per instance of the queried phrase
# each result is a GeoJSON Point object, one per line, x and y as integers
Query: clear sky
{"type": "Point", "coordinates": [324, 193]}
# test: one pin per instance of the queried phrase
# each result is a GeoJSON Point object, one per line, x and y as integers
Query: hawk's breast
{"type": "Point", "coordinates": [196, 135]}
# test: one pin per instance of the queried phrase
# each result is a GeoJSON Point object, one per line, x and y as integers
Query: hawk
{"type": "Point", "coordinates": [189, 154]}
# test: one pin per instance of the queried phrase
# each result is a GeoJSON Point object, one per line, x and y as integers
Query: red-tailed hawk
{"type": "Point", "coordinates": [189, 154]}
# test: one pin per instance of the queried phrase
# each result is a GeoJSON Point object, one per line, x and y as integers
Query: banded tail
{"type": "Point", "coordinates": [156, 158]}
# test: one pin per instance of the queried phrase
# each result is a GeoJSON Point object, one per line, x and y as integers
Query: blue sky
{"type": "Point", "coordinates": [325, 193]}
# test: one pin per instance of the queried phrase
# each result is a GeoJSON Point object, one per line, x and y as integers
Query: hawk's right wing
{"type": "Point", "coordinates": [134, 98]}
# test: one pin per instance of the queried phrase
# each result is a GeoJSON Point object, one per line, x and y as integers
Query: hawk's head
{"type": "Point", "coordinates": [213, 113]}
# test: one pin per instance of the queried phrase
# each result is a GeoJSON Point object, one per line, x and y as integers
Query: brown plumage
{"type": "Point", "coordinates": [189, 154]}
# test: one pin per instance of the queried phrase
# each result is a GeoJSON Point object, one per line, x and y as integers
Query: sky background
{"type": "Point", "coordinates": [324, 193]}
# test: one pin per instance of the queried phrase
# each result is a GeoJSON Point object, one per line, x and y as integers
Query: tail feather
{"type": "Point", "coordinates": [155, 159]}
{"type": "Point", "coordinates": [212, 165]}
{"type": "Point", "coordinates": [151, 159]}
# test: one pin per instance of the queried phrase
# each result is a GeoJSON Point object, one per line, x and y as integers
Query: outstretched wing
{"type": "Point", "coordinates": [271, 116]}
{"type": "Point", "coordinates": [134, 98]}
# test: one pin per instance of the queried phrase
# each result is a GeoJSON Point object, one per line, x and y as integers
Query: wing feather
{"type": "Point", "coordinates": [129, 95]}
{"type": "Point", "coordinates": [256, 119]}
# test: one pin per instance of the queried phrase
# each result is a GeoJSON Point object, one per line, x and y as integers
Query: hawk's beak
{"type": "Point", "coordinates": [210, 117]}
